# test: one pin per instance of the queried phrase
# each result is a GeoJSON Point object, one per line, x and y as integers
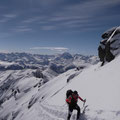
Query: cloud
{"type": "Point", "coordinates": [30, 20]}
{"type": "Point", "coordinates": [10, 15]}
{"type": "Point", "coordinates": [49, 27]}
{"type": "Point", "coordinates": [86, 10]}
{"type": "Point", "coordinates": [67, 18]}
{"type": "Point", "coordinates": [4, 20]}
{"type": "Point", "coordinates": [59, 49]}
{"type": "Point", "coordinates": [22, 29]}
{"type": "Point", "coordinates": [4, 51]}
{"type": "Point", "coordinates": [79, 15]}
{"type": "Point", "coordinates": [62, 15]}
{"type": "Point", "coordinates": [7, 17]}
{"type": "Point", "coordinates": [92, 6]}
{"type": "Point", "coordinates": [76, 16]}
{"type": "Point", "coordinates": [49, 3]}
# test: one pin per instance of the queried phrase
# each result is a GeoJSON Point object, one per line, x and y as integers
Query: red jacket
{"type": "Point", "coordinates": [75, 97]}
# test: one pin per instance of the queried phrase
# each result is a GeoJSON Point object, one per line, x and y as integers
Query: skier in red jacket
{"type": "Point", "coordinates": [72, 104]}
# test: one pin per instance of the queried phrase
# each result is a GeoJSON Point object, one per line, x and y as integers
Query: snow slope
{"type": "Point", "coordinates": [99, 85]}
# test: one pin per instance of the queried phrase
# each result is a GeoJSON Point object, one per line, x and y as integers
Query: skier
{"type": "Point", "coordinates": [72, 98]}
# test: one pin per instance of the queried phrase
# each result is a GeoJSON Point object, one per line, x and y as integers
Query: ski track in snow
{"type": "Point", "coordinates": [47, 114]}
{"type": "Point", "coordinates": [56, 111]}
{"type": "Point", "coordinates": [51, 112]}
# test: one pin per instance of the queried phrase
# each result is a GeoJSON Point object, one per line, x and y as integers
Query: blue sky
{"type": "Point", "coordinates": [55, 26]}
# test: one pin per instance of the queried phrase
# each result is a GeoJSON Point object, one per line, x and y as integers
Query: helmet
{"type": "Point", "coordinates": [75, 92]}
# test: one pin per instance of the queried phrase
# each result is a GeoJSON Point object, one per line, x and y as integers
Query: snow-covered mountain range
{"type": "Point", "coordinates": [62, 62]}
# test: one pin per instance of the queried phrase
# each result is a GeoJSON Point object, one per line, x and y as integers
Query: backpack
{"type": "Point", "coordinates": [68, 93]}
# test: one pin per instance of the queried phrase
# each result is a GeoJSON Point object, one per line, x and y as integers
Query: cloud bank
{"type": "Point", "coordinates": [59, 49]}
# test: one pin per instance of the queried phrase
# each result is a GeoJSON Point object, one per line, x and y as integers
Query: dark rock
{"type": "Point", "coordinates": [57, 68]}
{"type": "Point", "coordinates": [38, 74]}
{"type": "Point", "coordinates": [71, 66]}
{"type": "Point", "coordinates": [109, 49]}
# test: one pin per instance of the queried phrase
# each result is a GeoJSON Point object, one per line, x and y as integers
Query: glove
{"type": "Point", "coordinates": [84, 100]}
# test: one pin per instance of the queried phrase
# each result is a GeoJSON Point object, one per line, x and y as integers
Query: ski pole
{"type": "Point", "coordinates": [84, 103]}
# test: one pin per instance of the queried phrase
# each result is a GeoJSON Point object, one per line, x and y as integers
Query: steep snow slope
{"type": "Point", "coordinates": [99, 85]}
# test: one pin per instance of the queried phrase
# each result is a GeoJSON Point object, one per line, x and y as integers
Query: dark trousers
{"type": "Point", "coordinates": [71, 108]}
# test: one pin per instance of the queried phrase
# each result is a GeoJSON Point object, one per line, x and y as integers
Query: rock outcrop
{"type": "Point", "coordinates": [109, 47]}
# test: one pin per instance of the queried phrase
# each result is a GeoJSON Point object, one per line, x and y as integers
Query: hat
{"type": "Point", "coordinates": [75, 92]}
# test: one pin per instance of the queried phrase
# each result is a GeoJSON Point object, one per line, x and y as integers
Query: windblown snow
{"type": "Point", "coordinates": [98, 85]}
